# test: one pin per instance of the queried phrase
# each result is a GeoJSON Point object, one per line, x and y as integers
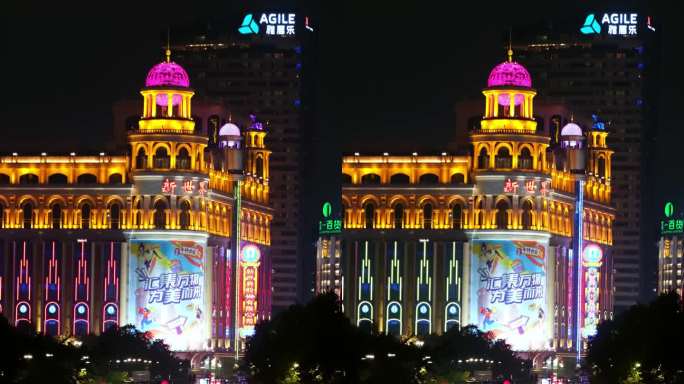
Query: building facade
{"type": "Point", "coordinates": [145, 237]}
{"type": "Point", "coordinates": [607, 75]}
{"type": "Point", "coordinates": [261, 75]}
{"type": "Point", "coordinates": [671, 251]}
{"type": "Point", "coordinates": [514, 237]}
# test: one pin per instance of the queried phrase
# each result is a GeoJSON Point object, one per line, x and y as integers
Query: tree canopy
{"type": "Point", "coordinates": [640, 345]}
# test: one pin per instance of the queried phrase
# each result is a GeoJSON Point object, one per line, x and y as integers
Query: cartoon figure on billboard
{"type": "Point", "coordinates": [508, 283]}
{"type": "Point", "coordinates": [169, 293]}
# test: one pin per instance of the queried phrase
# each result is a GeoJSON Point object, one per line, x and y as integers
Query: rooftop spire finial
{"type": "Point", "coordinates": [168, 44]}
{"type": "Point", "coordinates": [510, 46]}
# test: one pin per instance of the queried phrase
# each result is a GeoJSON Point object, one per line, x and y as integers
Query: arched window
{"type": "Point", "coordinates": [141, 159]}
{"type": "Point", "coordinates": [369, 213]}
{"type": "Point", "coordinates": [398, 216]}
{"type": "Point", "coordinates": [4, 179]}
{"type": "Point", "coordinates": [85, 216]}
{"type": "Point", "coordinates": [2, 215]}
{"type": "Point", "coordinates": [57, 178]}
{"type": "Point", "coordinates": [183, 159]}
{"type": "Point", "coordinates": [259, 167]}
{"type": "Point", "coordinates": [160, 214]}
{"type": "Point", "coordinates": [114, 215]}
{"type": "Point", "coordinates": [27, 213]}
{"type": "Point", "coordinates": [86, 178]}
{"type": "Point", "coordinates": [527, 215]}
{"type": "Point", "coordinates": [346, 179]}
{"type": "Point", "coordinates": [601, 167]}
{"type": "Point", "coordinates": [28, 178]}
{"type": "Point", "coordinates": [185, 215]}
{"type": "Point", "coordinates": [480, 214]}
{"type": "Point", "coordinates": [161, 158]}
{"type": "Point", "coordinates": [483, 159]}
{"type": "Point", "coordinates": [428, 179]}
{"type": "Point", "coordinates": [115, 178]}
{"type": "Point", "coordinates": [400, 178]}
{"type": "Point", "coordinates": [502, 214]}
{"type": "Point", "coordinates": [138, 213]}
{"type": "Point", "coordinates": [457, 178]}
{"type": "Point", "coordinates": [503, 158]}
{"type": "Point", "coordinates": [370, 178]}
{"type": "Point", "coordinates": [427, 216]}
{"type": "Point", "coordinates": [525, 159]}
{"type": "Point", "coordinates": [56, 215]}
{"type": "Point", "coordinates": [457, 216]}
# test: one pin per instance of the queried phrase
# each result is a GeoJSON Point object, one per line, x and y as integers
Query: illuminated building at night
{"type": "Point", "coordinates": [146, 237]}
{"type": "Point", "coordinates": [491, 238]}
{"type": "Point", "coordinates": [671, 251]}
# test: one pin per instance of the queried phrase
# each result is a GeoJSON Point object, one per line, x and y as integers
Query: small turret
{"type": "Point", "coordinates": [230, 141]}
{"type": "Point", "coordinates": [572, 140]}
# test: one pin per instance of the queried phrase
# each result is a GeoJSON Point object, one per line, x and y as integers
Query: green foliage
{"type": "Point", "coordinates": [316, 343]}
{"type": "Point", "coordinates": [636, 347]}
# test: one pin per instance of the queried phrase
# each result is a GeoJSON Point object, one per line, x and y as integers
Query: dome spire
{"type": "Point", "coordinates": [168, 45]}
{"type": "Point", "coordinates": [510, 46]}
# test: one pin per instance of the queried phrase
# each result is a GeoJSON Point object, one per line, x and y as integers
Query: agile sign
{"type": "Point", "coordinates": [616, 24]}
{"type": "Point", "coordinates": [274, 24]}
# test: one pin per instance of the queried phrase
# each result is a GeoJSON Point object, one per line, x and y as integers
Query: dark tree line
{"type": "Point", "coordinates": [316, 343]}
{"type": "Point", "coordinates": [642, 345]}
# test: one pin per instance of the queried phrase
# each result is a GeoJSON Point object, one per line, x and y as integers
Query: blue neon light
{"type": "Point", "coordinates": [591, 26]}
{"type": "Point", "coordinates": [249, 26]}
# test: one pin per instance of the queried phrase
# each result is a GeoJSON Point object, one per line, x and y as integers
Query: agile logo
{"type": "Point", "coordinates": [249, 26]}
{"type": "Point", "coordinates": [591, 26]}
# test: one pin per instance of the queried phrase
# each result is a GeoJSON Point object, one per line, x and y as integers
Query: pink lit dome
{"type": "Point", "coordinates": [167, 74]}
{"type": "Point", "coordinates": [509, 73]}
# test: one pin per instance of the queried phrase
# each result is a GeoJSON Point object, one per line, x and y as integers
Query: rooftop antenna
{"type": "Point", "coordinates": [168, 44]}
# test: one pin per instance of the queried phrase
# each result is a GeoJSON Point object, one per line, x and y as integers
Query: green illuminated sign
{"type": "Point", "coordinates": [671, 225]}
{"type": "Point", "coordinates": [329, 225]}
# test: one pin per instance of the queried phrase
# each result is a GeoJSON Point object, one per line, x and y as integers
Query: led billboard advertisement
{"type": "Point", "coordinates": [249, 263]}
{"type": "Point", "coordinates": [508, 292]}
{"type": "Point", "coordinates": [168, 284]}
{"type": "Point", "coordinates": [592, 258]}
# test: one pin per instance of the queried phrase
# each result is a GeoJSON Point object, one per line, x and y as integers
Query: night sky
{"type": "Point", "coordinates": [387, 79]}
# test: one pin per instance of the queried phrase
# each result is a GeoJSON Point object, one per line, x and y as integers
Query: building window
{"type": "Point", "coordinates": [4, 179]}
{"type": "Point", "coordinates": [502, 214]}
{"type": "Point", "coordinates": [370, 178]}
{"type": "Point", "coordinates": [2, 215]}
{"type": "Point", "coordinates": [185, 215]}
{"type": "Point", "coordinates": [183, 159]}
{"type": "Point", "coordinates": [85, 216]}
{"type": "Point", "coordinates": [369, 211]}
{"type": "Point", "coordinates": [503, 158]}
{"type": "Point", "coordinates": [160, 214]}
{"type": "Point", "coordinates": [457, 216]}
{"type": "Point", "coordinates": [114, 215]}
{"type": "Point", "coordinates": [56, 216]}
{"type": "Point", "coordinates": [398, 216]}
{"type": "Point", "coordinates": [346, 179]}
{"type": "Point", "coordinates": [57, 178]}
{"type": "Point", "coordinates": [457, 178]}
{"type": "Point", "coordinates": [525, 159]}
{"type": "Point", "coordinates": [260, 167]}
{"type": "Point", "coordinates": [400, 178]}
{"type": "Point", "coordinates": [28, 178]}
{"type": "Point", "coordinates": [527, 215]}
{"type": "Point", "coordinates": [141, 159]}
{"type": "Point", "coordinates": [429, 179]}
{"type": "Point", "coordinates": [601, 167]}
{"type": "Point", "coordinates": [427, 216]}
{"type": "Point", "coordinates": [115, 178]}
{"type": "Point", "coordinates": [27, 211]}
{"type": "Point", "coordinates": [483, 159]}
{"type": "Point", "coordinates": [161, 158]}
{"type": "Point", "coordinates": [86, 178]}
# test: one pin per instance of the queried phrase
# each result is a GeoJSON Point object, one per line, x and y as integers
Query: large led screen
{"type": "Point", "coordinates": [508, 292]}
{"type": "Point", "coordinates": [169, 292]}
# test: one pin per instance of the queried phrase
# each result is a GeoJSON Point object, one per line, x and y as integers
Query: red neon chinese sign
{"type": "Point", "coordinates": [530, 186]}
{"type": "Point", "coordinates": [187, 186]}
